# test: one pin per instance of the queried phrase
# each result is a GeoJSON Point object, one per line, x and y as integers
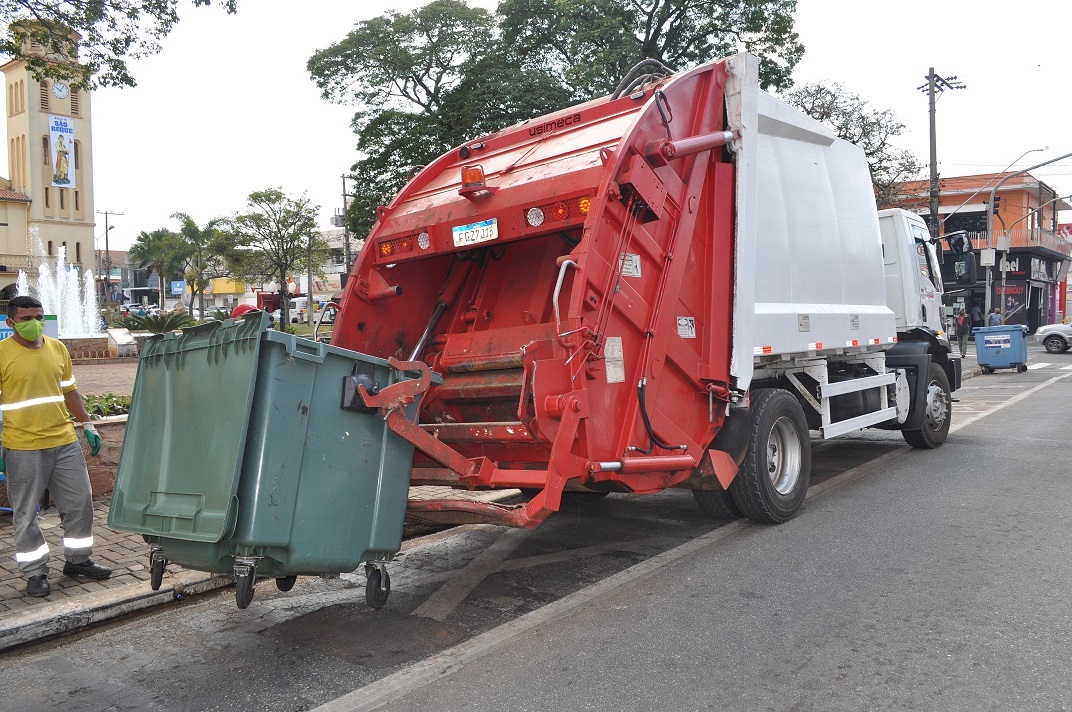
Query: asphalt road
{"type": "Point", "coordinates": [910, 581]}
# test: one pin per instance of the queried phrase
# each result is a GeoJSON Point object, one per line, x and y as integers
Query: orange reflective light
{"type": "Point", "coordinates": [583, 203]}
{"type": "Point", "coordinates": [472, 176]}
{"type": "Point", "coordinates": [386, 249]}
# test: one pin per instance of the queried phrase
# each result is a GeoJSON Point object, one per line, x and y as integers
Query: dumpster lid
{"type": "Point", "coordinates": [182, 451]}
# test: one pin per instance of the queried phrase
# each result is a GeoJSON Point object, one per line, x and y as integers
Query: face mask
{"type": "Point", "coordinates": [30, 330]}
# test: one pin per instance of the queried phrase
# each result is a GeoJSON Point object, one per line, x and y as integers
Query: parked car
{"type": "Point", "coordinates": [1057, 338]}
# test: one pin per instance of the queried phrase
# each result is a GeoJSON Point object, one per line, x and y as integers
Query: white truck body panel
{"type": "Point", "coordinates": [808, 265]}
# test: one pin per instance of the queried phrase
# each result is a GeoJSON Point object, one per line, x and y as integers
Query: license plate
{"type": "Point", "coordinates": [482, 231]}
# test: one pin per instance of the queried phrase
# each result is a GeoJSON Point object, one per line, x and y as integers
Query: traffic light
{"type": "Point", "coordinates": [997, 204]}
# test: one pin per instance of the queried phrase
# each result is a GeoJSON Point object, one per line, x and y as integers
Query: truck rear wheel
{"type": "Point", "coordinates": [774, 476]}
{"type": "Point", "coordinates": [937, 412]}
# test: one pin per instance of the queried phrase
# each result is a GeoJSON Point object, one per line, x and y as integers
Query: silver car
{"type": "Point", "coordinates": [1057, 338]}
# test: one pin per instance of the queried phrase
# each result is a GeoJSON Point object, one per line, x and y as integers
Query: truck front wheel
{"type": "Point", "coordinates": [774, 476]}
{"type": "Point", "coordinates": [937, 412]}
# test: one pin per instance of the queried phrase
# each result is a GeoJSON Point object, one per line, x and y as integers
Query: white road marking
{"type": "Point", "coordinates": [1033, 366]}
{"type": "Point", "coordinates": [447, 662]}
{"type": "Point", "coordinates": [1067, 368]}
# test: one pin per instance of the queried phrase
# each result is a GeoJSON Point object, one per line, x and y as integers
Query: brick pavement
{"type": "Point", "coordinates": [114, 376]}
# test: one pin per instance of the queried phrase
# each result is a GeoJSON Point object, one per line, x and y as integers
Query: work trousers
{"type": "Point", "coordinates": [963, 342]}
{"type": "Point", "coordinates": [62, 470]}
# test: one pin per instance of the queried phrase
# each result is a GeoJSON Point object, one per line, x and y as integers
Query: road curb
{"type": "Point", "coordinates": [40, 623]}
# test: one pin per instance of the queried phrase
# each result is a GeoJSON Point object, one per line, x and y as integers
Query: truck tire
{"type": "Point", "coordinates": [717, 504]}
{"type": "Point", "coordinates": [773, 479]}
{"type": "Point", "coordinates": [937, 412]}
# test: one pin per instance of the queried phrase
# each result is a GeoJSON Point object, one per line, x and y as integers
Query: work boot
{"type": "Point", "coordinates": [88, 569]}
{"type": "Point", "coordinates": [38, 586]}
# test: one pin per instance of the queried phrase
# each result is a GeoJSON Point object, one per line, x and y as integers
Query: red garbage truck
{"type": "Point", "coordinates": [673, 286]}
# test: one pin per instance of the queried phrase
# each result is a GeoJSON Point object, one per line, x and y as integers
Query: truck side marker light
{"type": "Point", "coordinates": [817, 346]}
{"type": "Point", "coordinates": [891, 340]}
{"type": "Point", "coordinates": [854, 342]}
{"type": "Point", "coordinates": [762, 350]}
{"type": "Point", "coordinates": [876, 342]}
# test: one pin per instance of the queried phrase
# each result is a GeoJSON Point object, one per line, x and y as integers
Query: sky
{"type": "Point", "coordinates": [227, 107]}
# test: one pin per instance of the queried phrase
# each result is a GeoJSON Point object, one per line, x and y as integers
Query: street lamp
{"type": "Point", "coordinates": [985, 185]}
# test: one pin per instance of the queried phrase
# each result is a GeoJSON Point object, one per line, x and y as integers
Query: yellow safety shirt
{"type": "Point", "coordinates": [32, 384]}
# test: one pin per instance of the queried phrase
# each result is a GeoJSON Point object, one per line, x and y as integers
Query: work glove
{"type": "Point", "coordinates": [92, 437]}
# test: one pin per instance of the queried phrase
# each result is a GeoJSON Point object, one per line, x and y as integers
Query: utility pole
{"type": "Point", "coordinates": [108, 266]}
{"type": "Point", "coordinates": [936, 85]}
{"type": "Point", "coordinates": [347, 261]}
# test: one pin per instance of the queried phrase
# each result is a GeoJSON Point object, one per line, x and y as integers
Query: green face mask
{"type": "Point", "coordinates": [30, 330]}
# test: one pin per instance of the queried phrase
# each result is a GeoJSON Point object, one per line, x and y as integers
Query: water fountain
{"type": "Point", "coordinates": [70, 296]}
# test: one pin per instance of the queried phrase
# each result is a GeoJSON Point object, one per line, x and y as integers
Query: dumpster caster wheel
{"type": "Point", "coordinates": [157, 564]}
{"type": "Point", "coordinates": [245, 576]}
{"type": "Point", "coordinates": [378, 587]}
{"type": "Point", "coordinates": [285, 583]}
{"type": "Point", "coordinates": [987, 369]}
{"type": "Point", "coordinates": [1021, 368]}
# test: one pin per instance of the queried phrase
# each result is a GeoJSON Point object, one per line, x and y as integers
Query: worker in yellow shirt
{"type": "Point", "coordinates": [40, 448]}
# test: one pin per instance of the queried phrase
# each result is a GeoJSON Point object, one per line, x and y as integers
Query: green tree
{"type": "Point", "coordinates": [160, 251]}
{"type": "Point", "coordinates": [589, 45]}
{"type": "Point", "coordinates": [873, 130]}
{"type": "Point", "coordinates": [108, 33]}
{"type": "Point", "coordinates": [272, 239]}
{"type": "Point", "coordinates": [424, 82]}
{"type": "Point", "coordinates": [206, 248]}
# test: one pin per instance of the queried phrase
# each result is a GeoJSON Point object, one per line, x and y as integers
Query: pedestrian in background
{"type": "Point", "coordinates": [995, 317]}
{"type": "Point", "coordinates": [977, 315]}
{"type": "Point", "coordinates": [40, 447]}
{"type": "Point", "coordinates": [964, 330]}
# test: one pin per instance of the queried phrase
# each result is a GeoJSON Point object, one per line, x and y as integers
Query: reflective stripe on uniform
{"type": "Point", "coordinates": [31, 402]}
{"type": "Point", "coordinates": [27, 556]}
{"type": "Point", "coordinates": [84, 543]}
{"type": "Point", "coordinates": [64, 384]}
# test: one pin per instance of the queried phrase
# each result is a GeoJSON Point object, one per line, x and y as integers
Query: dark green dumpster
{"type": "Point", "coordinates": [239, 457]}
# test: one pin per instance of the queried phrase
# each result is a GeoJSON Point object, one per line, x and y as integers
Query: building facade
{"type": "Point", "coordinates": [49, 194]}
{"type": "Point", "coordinates": [1022, 261]}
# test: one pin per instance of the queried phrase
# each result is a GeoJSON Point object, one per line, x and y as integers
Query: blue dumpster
{"type": "Point", "coordinates": [1001, 347]}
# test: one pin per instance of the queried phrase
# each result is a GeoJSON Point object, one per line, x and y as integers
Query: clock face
{"type": "Point", "coordinates": [60, 90]}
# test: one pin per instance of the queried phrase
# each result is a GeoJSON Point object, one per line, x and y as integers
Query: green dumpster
{"type": "Point", "coordinates": [238, 456]}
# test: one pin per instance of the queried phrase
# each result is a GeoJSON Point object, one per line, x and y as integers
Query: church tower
{"type": "Point", "coordinates": [50, 169]}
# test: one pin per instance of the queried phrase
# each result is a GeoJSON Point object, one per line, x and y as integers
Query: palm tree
{"type": "Point", "coordinates": [203, 255]}
{"type": "Point", "coordinates": [160, 251]}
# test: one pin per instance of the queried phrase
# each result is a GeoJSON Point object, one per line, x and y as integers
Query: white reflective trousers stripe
{"type": "Point", "coordinates": [84, 543]}
{"type": "Point", "coordinates": [33, 401]}
{"type": "Point", "coordinates": [27, 556]}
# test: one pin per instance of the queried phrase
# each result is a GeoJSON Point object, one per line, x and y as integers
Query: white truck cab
{"type": "Point", "coordinates": [913, 275]}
